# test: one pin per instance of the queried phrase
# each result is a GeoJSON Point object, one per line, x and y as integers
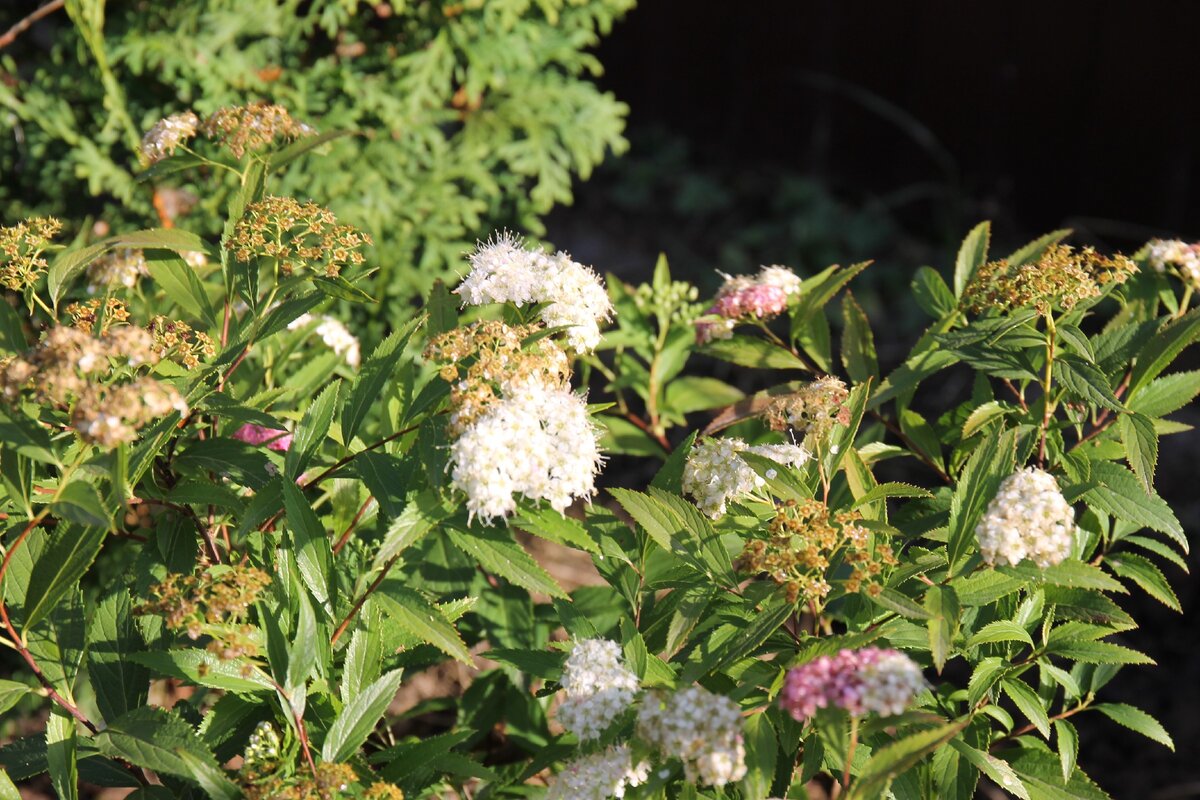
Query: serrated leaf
{"type": "Point", "coordinates": [1000, 631]}
{"type": "Point", "coordinates": [1028, 703]}
{"type": "Point", "coordinates": [80, 502]}
{"type": "Point", "coordinates": [981, 416]}
{"type": "Point", "coordinates": [1041, 773]}
{"type": "Point", "coordinates": [891, 760]}
{"type": "Point", "coordinates": [944, 610]}
{"type": "Point", "coordinates": [299, 147]}
{"type": "Point", "coordinates": [155, 739]}
{"type": "Point", "coordinates": [1163, 347]}
{"type": "Point", "coordinates": [554, 527]}
{"type": "Point", "coordinates": [932, 294]}
{"type": "Point", "coordinates": [359, 717]}
{"type": "Point", "coordinates": [412, 612]}
{"type": "Point", "coordinates": [690, 393]}
{"type": "Point", "coordinates": [67, 264]}
{"type": "Point", "coordinates": [120, 683]}
{"type": "Point", "coordinates": [182, 287]}
{"type": "Point", "coordinates": [1120, 494]}
{"type": "Point", "coordinates": [1166, 394]}
{"type": "Point", "coordinates": [987, 673]}
{"type": "Point", "coordinates": [311, 432]}
{"type": "Point", "coordinates": [442, 310]}
{"type": "Point", "coordinates": [1100, 653]}
{"type": "Point", "coordinates": [893, 600]}
{"type": "Point", "coordinates": [202, 668]}
{"type": "Point", "coordinates": [858, 343]}
{"type": "Point", "coordinates": [1145, 574]}
{"type": "Point", "coordinates": [999, 771]}
{"type": "Point", "coordinates": [1067, 741]}
{"type": "Point", "coordinates": [989, 464]}
{"type": "Point", "coordinates": [971, 256]}
{"type": "Point", "coordinates": [1085, 381]}
{"type": "Point", "coordinates": [313, 553]}
{"type": "Point", "coordinates": [423, 511]}
{"type": "Point", "coordinates": [61, 754]}
{"type": "Point", "coordinates": [748, 351]}
{"type": "Point", "coordinates": [1141, 446]}
{"type": "Point", "coordinates": [373, 377]}
{"type": "Point", "coordinates": [504, 557]}
{"type": "Point", "coordinates": [59, 569]}
{"type": "Point", "coordinates": [1136, 720]}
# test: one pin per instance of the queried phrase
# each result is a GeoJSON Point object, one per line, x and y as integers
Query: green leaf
{"type": "Point", "coordinates": [59, 569]}
{"type": "Point", "coordinates": [504, 557]}
{"type": "Point", "coordinates": [717, 653]}
{"type": "Point", "coordinates": [987, 673]}
{"type": "Point", "coordinates": [893, 600]}
{"type": "Point", "coordinates": [1067, 741]}
{"type": "Point", "coordinates": [762, 747]}
{"type": "Point", "coordinates": [999, 771]}
{"type": "Point", "coordinates": [654, 519]}
{"type": "Point", "coordinates": [1029, 704]}
{"type": "Point", "coordinates": [981, 416]}
{"type": "Point", "coordinates": [893, 759]}
{"type": "Point", "coordinates": [373, 378]}
{"type": "Point", "coordinates": [442, 310]}
{"type": "Point", "coordinates": [891, 489]}
{"type": "Point", "coordinates": [1120, 494]}
{"type": "Point", "coordinates": [1162, 349]}
{"type": "Point", "coordinates": [311, 432]}
{"type": "Point", "coordinates": [423, 511]}
{"type": "Point", "coordinates": [747, 351]}
{"type": "Point", "coordinates": [1100, 653]}
{"type": "Point", "coordinates": [932, 294]}
{"type": "Point", "coordinates": [921, 434]}
{"type": "Point", "coordinates": [1136, 720]}
{"type": "Point", "coordinates": [944, 610]}
{"type": "Point", "coordinates": [1041, 773]}
{"type": "Point", "coordinates": [11, 693]}
{"type": "Point", "coordinates": [182, 286]}
{"type": "Point", "coordinates": [554, 527]}
{"type": "Point", "coordinates": [176, 239]}
{"type": "Point", "coordinates": [67, 264]}
{"type": "Point", "coordinates": [359, 717]}
{"type": "Point", "coordinates": [1167, 394]}
{"type": "Point", "coordinates": [80, 502]}
{"type": "Point", "coordinates": [302, 655]}
{"type": "Point", "coordinates": [412, 612]}
{"type": "Point", "coordinates": [1141, 446]}
{"type": "Point", "coordinates": [971, 256]}
{"type": "Point", "coordinates": [202, 668]}
{"type": "Point", "coordinates": [690, 393]}
{"type": "Point", "coordinates": [1145, 574]}
{"type": "Point", "coordinates": [313, 554]}
{"type": "Point", "coordinates": [61, 754]}
{"type": "Point", "coordinates": [817, 291]}
{"type": "Point", "coordinates": [1000, 631]}
{"type": "Point", "coordinates": [120, 683]}
{"type": "Point", "coordinates": [989, 464]}
{"type": "Point", "coordinates": [1085, 381]}
{"type": "Point", "coordinates": [299, 147]}
{"type": "Point", "coordinates": [8, 790]}
{"type": "Point", "coordinates": [155, 739]}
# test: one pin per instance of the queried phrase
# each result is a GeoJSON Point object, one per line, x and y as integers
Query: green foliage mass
{"type": "Point", "coordinates": [469, 115]}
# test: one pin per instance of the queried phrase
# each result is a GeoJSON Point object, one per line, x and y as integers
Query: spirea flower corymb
{"type": "Point", "coordinates": [598, 685]}
{"type": "Point", "coordinates": [747, 299]}
{"type": "Point", "coordinates": [716, 474]}
{"type": "Point", "coordinates": [1027, 519]}
{"type": "Point", "coordinates": [867, 681]}
{"type": "Point", "coordinates": [599, 776]}
{"type": "Point", "coordinates": [505, 271]}
{"type": "Point", "coordinates": [701, 729]}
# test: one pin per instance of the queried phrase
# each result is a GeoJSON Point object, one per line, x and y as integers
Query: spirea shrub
{"type": "Point", "coordinates": [240, 544]}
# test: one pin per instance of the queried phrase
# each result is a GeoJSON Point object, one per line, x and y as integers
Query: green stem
{"type": "Point", "coordinates": [1047, 385]}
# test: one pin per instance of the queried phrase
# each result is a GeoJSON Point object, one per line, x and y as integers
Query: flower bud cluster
{"type": "Point", "coordinates": [210, 603]}
{"type": "Point", "coordinates": [21, 246]}
{"type": "Point", "coordinates": [811, 411]}
{"type": "Point", "coordinates": [505, 271]}
{"type": "Point", "coordinates": [598, 685]}
{"type": "Point", "coordinates": [299, 236]}
{"type": "Point", "coordinates": [745, 298]}
{"type": "Point", "coordinates": [701, 729]}
{"type": "Point", "coordinates": [236, 128]}
{"type": "Point", "coordinates": [806, 543]}
{"type": "Point", "coordinates": [676, 301]}
{"type": "Point", "coordinates": [124, 266]}
{"type": "Point", "coordinates": [1180, 257]}
{"type": "Point", "coordinates": [86, 315]}
{"type": "Point", "coordinates": [866, 681]}
{"type": "Point", "coordinates": [336, 336]}
{"type": "Point", "coordinates": [1027, 519]}
{"type": "Point", "coordinates": [716, 474]}
{"type": "Point", "coordinates": [179, 342]}
{"type": "Point", "coordinates": [1060, 279]}
{"type": "Point", "coordinates": [599, 776]}
{"type": "Point", "coordinates": [486, 360]}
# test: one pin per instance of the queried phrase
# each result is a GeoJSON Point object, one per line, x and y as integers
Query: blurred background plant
{"type": "Point", "coordinates": [470, 115]}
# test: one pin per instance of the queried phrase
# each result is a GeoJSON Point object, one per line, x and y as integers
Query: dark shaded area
{"type": "Point", "coordinates": [809, 133]}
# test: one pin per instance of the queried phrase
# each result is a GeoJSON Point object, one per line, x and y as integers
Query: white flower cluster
{"type": "Point", "coordinates": [1028, 518]}
{"type": "Point", "coordinates": [504, 271]}
{"type": "Point", "coordinates": [337, 337]}
{"type": "Point", "coordinates": [715, 473]}
{"type": "Point", "coordinates": [598, 685]}
{"type": "Point", "coordinates": [122, 267]}
{"type": "Point", "coordinates": [889, 683]}
{"type": "Point", "coordinates": [599, 776]}
{"type": "Point", "coordinates": [781, 278]}
{"type": "Point", "coordinates": [539, 442]}
{"type": "Point", "coordinates": [701, 729]}
{"type": "Point", "coordinates": [167, 134]}
{"type": "Point", "coordinates": [1184, 257]}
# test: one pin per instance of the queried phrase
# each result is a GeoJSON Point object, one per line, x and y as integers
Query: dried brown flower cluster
{"type": "Point", "coordinates": [210, 603]}
{"type": "Point", "coordinates": [179, 342]}
{"type": "Point", "coordinates": [812, 411]}
{"type": "Point", "coordinates": [21, 246]}
{"type": "Point", "coordinates": [486, 360]}
{"type": "Point", "coordinates": [805, 539]}
{"type": "Point", "coordinates": [1060, 279]}
{"type": "Point", "coordinates": [252, 127]}
{"type": "Point", "coordinates": [237, 128]}
{"type": "Point", "coordinates": [263, 779]}
{"type": "Point", "coordinates": [297, 235]}
{"type": "Point", "coordinates": [66, 370]}
{"type": "Point", "coordinates": [86, 315]}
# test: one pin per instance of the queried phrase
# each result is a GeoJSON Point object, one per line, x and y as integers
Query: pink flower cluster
{"type": "Point", "coordinates": [756, 300]}
{"type": "Point", "coordinates": [872, 679]}
{"type": "Point", "coordinates": [745, 297]}
{"type": "Point", "coordinates": [273, 438]}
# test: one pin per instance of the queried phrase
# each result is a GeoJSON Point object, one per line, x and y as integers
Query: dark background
{"type": "Point", "coordinates": [820, 132]}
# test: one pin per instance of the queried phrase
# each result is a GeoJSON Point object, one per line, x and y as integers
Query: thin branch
{"type": "Point", "coordinates": [345, 537]}
{"type": "Point", "coordinates": [358, 604]}
{"type": "Point", "coordinates": [25, 24]}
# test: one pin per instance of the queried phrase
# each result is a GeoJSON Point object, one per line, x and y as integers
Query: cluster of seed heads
{"type": "Point", "coordinates": [297, 236]}
{"type": "Point", "coordinates": [210, 603]}
{"type": "Point", "coordinates": [812, 411]}
{"type": "Point", "coordinates": [238, 129]}
{"type": "Point", "coordinates": [1059, 280]}
{"type": "Point", "coordinates": [21, 247]}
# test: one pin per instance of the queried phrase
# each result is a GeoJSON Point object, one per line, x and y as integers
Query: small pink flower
{"type": "Point", "coordinates": [273, 438]}
{"type": "Point", "coordinates": [851, 680]}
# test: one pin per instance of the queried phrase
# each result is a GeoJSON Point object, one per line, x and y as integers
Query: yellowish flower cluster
{"type": "Point", "coordinates": [21, 246]}
{"type": "Point", "coordinates": [1060, 279]}
{"type": "Point", "coordinates": [210, 603]}
{"type": "Point", "coordinates": [236, 128]}
{"type": "Point", "coordinates": [298, 236]}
